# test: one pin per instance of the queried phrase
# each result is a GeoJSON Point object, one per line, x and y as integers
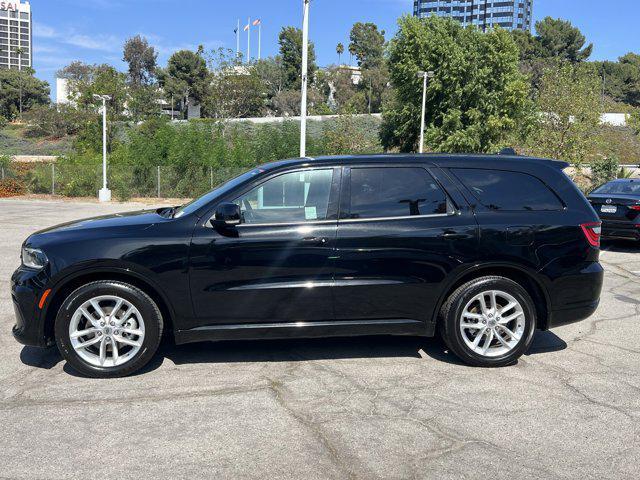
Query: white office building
{"type": "Point", "coordinates": [16, 48]}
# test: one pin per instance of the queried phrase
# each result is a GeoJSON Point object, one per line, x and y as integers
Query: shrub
{"type": "Point", "coordinates": [604, 170]}
{"type": "Point", "coordinates": [55, 122]}
{"type": "Point", "coordinates": [10, 187]}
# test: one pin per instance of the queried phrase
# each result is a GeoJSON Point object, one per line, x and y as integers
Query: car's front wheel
{"type": "Point", "coordinates": [489, 321]}
{"type": "Point", "coordinates": [108, 329]}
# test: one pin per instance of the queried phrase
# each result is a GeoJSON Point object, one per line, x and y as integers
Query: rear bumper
{"type": "Point", "coordinates": [574, 314]}
{"type": "Point", "coordinates": [622, 230]}
{"type": "Point", "coordinates": [575, 296]}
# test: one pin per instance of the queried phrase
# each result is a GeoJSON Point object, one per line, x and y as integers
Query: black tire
{"type": "Point", "coordinates": [451, 313]}
{"type": "Point", "coordinates": [146, 306]}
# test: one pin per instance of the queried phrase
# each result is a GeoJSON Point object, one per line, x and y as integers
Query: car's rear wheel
{"type": "Point", "coordinates": [108, 329]}
{"type": "Point", "coordinates": [489, 321]}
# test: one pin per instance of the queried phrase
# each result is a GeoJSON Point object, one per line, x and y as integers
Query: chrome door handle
{"type": "Point", "coordinates": [315, 240]}
{"type": "Point", "coordinates": [455, 236]}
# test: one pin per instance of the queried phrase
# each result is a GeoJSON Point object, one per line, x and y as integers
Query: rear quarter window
{"type": "Point", "coordinates": [507, 190]}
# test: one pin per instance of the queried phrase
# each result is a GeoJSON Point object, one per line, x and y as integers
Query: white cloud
{"type": "Point", "coordinates": [44, 31]}
{"type": "Point", "coordinates": [105, 43]}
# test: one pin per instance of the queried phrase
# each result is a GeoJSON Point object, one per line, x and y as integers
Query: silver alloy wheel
{"type": "Point", "coordinates": [492, 323]}
{"type": "Point", "coordinates": [106, 331]}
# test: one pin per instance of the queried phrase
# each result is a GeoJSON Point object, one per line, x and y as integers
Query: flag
{"type": "Point", "coordinates": [257, 22]}
{"type": "Point", "coordinates": [246, 27]}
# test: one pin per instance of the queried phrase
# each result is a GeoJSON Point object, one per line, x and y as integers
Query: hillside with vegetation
{"type": "Point", "coordinates": [538, 93]}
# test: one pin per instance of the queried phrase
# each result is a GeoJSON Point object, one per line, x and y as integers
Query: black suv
{"type": "Point", "coordinates": [484, 249]}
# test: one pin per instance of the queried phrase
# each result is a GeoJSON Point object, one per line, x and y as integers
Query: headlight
{"type": "Point", "coordinates": [33, 258]}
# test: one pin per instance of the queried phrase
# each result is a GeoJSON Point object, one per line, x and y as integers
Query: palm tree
{"type": "Point", "coordinates": [352, 52]}
{"type": "Point", "coordinates": [339, 51]}
{"type": "Point", "coordinates": [20, 51]}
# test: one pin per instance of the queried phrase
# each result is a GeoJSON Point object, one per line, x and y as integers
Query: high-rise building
{"type": "Point", "coordinates": [15, 35]}
{"type": "Point", "coordinates": [508, 14]}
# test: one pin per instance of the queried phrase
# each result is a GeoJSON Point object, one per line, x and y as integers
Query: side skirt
{"type": "Point", "coordinates": [346, 328]}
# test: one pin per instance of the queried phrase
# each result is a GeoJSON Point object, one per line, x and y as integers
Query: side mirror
{"type": "Point", "coordinates": [227, 215]}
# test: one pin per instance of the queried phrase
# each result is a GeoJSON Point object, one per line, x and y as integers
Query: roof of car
{"type": "Point", "coordinates": [438, 159]}
{"type": "Point", "coordinates": [625, 180]}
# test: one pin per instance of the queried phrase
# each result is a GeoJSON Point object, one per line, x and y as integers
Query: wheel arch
{"type": "Point", "coordinates": [528, 279]}
{"type": "Point", "coordinates": [71, 282]}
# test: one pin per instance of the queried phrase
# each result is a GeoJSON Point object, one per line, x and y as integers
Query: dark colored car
{"type": "Point", "coordinates": [484, 249]}
{"type": "Point", "coordinates": [618, 204]}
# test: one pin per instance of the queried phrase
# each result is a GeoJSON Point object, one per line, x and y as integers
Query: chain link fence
{"type": "Point", "coordinates": [125, 181]}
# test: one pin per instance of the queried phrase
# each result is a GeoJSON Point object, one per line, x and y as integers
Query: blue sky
{"type": "Point", "coordinates": [94, 30]}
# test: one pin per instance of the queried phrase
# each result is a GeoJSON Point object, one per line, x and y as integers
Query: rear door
{"type": "Point", "coordinates": [399, 235]}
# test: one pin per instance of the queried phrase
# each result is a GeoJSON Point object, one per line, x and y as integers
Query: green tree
{"type": "Point", "coordinates": [185, 77]}
{"type": "Point", "coordinates": [78, 76]}
{"type": "Point", "coordinates": [568, 126]}
{"type": "Point", "coordinates": [374, 84]}
{"type": "Point", "coordinates": [20, 91]}
{"type": "Point", "coordinates": [367, 44]}
{"type": "Point", "coordinates": [272, 75]}
{"type": "Point", "coordinates": [528, 45]}
{"type": "Point", "coordinates": [631, 89]}
{"type": "Point", "coordinates": [235, 90]}
{"type": "Point", "coordinates": [634, 122]}
{"type": "Point", "coordinates": [478, 99]}
{"type": "Point", "coordinates": [142, 60]}
{"type": "Point", "coordinates": [558, 38]}
{"type": "Point", "coordinates": [105, 80]}
{"type": "Point", "coordinates": [56, 121]}
{"type": "Point", "coordinates": [339, 51]}
{"type": "Point", "coordinates": [290, 41]}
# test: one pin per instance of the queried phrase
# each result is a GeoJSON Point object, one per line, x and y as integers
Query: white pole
{"type": "Point", "coordinates": [424, 105]}
{"type": "Point", "coordinates": [249, 40]}
{"type": "Point", "coordinates": [104, 143]}
{"type": "Point", "coordinates": [104, 195]}
{"type": "Point", "coordinates": [238, 40]}
{"type": "Point", "coordinates": [259, 39]}
{"type": "Point", "coordinates": [305, 55]}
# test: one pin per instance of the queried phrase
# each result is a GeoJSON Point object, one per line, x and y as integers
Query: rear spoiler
{"type": "Point", "coordinates": [559, 164]}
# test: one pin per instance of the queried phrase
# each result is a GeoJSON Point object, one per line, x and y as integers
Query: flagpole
{"type": "Point", "coordinates": [259, 38]}
{"type": "Point", "coordinates": [238, 40]}
{"type": "Point", "coordinates": [249, 40]}
{"type": "Point", "coordinates": [305, 59]}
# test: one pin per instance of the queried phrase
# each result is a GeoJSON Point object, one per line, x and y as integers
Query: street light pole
{"type": "Point", "coordinates": [425, 76]}
{"type": "Point", "coordinates": [104, 195]}
{"type": "Point", "coordinates": [305, 60]}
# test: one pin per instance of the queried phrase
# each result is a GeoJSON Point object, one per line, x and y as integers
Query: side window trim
{"type": "Point", "coordinates": [332, 209]}
{"type": "Point", "coordinates": [476, 201]}
{"type": "Point", "coordinates": [345, 196]}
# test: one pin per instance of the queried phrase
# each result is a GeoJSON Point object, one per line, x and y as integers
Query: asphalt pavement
{"type": "Point", "coordinates": [362, 408]}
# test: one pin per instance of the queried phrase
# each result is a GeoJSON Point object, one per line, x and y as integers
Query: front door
{"type": "Point", "coordinates": [277, 265]}
{"type": "Point", "coordinates": [399, 236]}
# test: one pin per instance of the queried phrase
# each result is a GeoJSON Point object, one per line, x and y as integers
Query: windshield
{"type": "Point", "coordinates": [216, 192]}
{"type": "Point", "coordinates": [623, 188]}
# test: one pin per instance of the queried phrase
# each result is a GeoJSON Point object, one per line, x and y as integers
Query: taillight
{"type": "Point", "coordinates": [592, 232]}
{"type": "Point", "coordinates": [635, 207]}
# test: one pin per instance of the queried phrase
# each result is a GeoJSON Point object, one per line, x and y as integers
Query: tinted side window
{"type": "Point", "coordinates": [395, 192]}
{"type": "Point", "coordinates": [301, 196]}
{"type": "Point", "coordinates": [502, 190]}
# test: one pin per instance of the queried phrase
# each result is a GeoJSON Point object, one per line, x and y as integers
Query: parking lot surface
{"type": "Point", "coordinates": [365, 408]}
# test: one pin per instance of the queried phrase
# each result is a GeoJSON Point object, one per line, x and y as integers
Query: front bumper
{"type": "Point", "coordinates": [27, 287]}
